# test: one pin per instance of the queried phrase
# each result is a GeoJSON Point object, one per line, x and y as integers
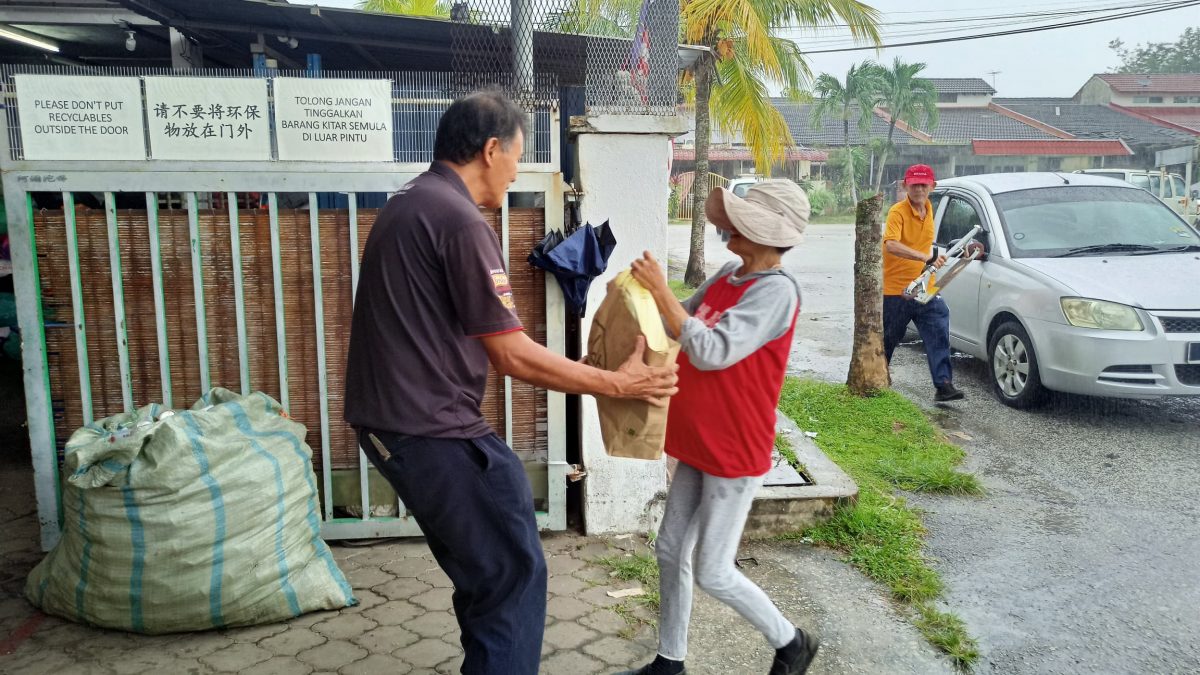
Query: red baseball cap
{"type": "Point", "coordinates": [918, 174]}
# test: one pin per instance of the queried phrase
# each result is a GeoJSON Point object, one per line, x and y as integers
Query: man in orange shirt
{"type": "Point", "coordinates": [907, 248]}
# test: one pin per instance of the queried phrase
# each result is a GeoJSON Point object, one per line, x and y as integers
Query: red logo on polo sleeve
{"type": "Point", "coordinates": [503, 289]}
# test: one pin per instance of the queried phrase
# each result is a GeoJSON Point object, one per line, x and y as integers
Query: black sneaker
{"type": "Point", "coordinates": [947, 392]}
{"type": "Point", "coordinates": [794, 658]}
{"type": "Point", "coordinates": [659, 666]}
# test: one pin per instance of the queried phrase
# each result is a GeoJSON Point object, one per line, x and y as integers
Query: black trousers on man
{"type": "Point", "coordinates": [472, 499]}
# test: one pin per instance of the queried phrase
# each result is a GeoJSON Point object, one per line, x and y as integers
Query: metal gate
{"type": "Point", "coordinates": [192, 287]}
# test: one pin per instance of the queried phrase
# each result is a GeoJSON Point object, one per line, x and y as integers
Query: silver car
{"type": "Point", "coordinates": [1090, 286]}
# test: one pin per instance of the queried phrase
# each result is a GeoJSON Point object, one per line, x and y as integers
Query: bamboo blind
{"type": "Point", "coordinates": [526, 228]}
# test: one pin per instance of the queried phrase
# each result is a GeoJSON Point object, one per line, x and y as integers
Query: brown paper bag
{"type": "Point", "coordinates": [630, 428]}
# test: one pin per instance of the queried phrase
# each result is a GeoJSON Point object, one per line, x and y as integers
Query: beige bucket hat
{"type": "Point", "coordinates": [773, 212]}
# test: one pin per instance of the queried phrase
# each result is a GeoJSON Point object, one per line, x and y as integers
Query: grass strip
{"type": "Point", "coordinates": [885, 442]}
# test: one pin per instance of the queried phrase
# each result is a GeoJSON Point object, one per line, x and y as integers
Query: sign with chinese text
{"type": "Point", "coordinates": [69, 117]}
{"type": "Point", "coordinates": [334, 120]}
{"type": "Point", "coordinates": [208, 118]}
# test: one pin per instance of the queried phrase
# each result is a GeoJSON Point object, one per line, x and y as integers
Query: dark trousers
{"type": "Point", "coordinates": [472, 500]}
{"type": "Point", "coordinates": [933, 323]}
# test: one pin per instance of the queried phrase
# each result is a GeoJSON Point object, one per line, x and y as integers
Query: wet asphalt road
{"type": "Point", "coordinates": [1084, 556]}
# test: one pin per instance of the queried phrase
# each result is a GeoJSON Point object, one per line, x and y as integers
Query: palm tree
{"type": "Point", "coordinates": [907, 98]}
{"type": "Point", "coordinates": [427, 8]}
{"type": "Point", "coordinates": [605, 18]}
{"type": "Point", "coordinates": [731, 81]}
{"type": "Point", "coordinates": [861, 91]}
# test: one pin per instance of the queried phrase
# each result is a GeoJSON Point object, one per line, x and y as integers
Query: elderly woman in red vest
{"type": "Point", "coordinates": [735, 332]}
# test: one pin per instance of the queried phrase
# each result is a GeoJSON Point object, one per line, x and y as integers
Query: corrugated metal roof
{"type": "Point", "coordinates": [1058, 147]}
{"type": "Point", "coordinates": [1132, 83]}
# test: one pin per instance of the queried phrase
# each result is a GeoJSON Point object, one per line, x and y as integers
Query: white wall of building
{"type": "Point", "coordinates": [968, 101]}
{"type": "Point", "coordinates": [624, 174]}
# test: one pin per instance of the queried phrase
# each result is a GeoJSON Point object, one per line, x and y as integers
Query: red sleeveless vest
{"type": "Point", "coordinates": [722, 422]}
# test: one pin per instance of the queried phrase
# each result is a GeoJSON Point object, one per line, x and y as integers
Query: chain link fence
{"type": "Point", "coordinates": [623, 53]}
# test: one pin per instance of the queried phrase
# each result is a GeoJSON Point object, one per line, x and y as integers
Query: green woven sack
{"type": "Point", "coordinates": [189, 520]}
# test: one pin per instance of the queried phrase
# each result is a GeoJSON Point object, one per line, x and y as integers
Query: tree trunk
{"type": "Point", "coordinates": [883, 159]}
{"type": "Point", "coordinates": [849, 157]}
{"type": "Point", "coordinates": [694, 274]}
{"type": "Point", "coordinates": [868, 367]}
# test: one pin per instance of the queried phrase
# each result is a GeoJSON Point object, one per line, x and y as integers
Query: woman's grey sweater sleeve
{"type": "Point", "coordinates": [764, 313]}
{"type": "Point", "coordinates": [694, 299]}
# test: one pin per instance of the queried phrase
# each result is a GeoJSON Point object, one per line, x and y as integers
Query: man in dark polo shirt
{"type": "Point", "coordinates": [434, 306]}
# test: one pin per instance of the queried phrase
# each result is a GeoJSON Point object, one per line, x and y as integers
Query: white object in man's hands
{"type": "Point", "coordinates": [922, 290]}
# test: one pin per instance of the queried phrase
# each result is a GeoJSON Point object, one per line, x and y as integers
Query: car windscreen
{"type": "Point", "coordinates": [740, 189]}
{"type": "Point", "coordinates": [1049, 222]}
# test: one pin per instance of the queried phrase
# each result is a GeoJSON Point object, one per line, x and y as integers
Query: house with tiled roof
{"type": "Point", "coordinates": [1141, 90]}
{"type": "Point", "coordinates": [973, 135]}
{"type": "Point", "coordinates": [1102, 122]}
{"type": "Point", "coordinates": [728, 155]}
{"type": "Point", "coordinates": [1114, 120]}
{"type": "Point", "coordinates": [1167, 100]}
{"type": "Point", "coordinates": [964, 92]}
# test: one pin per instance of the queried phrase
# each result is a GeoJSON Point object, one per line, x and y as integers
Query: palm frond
{"type": "Point", "coordinates": [427, 8]}
{"type": "Point", "coordinates": [862, 19]}
{"type": "Point", "coordinates": [740, 103]}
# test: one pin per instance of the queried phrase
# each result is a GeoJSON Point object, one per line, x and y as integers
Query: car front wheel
{"type": "Point", "coordinates": [1014, 367]}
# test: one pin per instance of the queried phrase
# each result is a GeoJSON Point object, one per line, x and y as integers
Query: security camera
{"type": "Point", "coordinates": [293, 43]}
{"type": "Point", "coordinates": [130, 41]}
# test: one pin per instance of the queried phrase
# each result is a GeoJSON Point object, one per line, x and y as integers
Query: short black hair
{"type": "Point", "coordinates": [470, 121]}
{"type": "Point", "coordinates": [783, 249]}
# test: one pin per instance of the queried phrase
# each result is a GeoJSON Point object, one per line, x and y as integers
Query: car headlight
{"type": "Point", "coordinates": [1099, 314]}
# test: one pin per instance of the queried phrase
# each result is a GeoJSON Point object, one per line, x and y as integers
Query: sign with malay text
{"type": "Point", "coordinates": [331, 120]}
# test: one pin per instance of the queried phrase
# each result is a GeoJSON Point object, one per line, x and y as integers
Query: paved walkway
{"type": "Point", "coordinates": [404, 622]}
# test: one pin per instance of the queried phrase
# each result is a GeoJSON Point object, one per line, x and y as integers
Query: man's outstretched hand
{"type": "Point", "coordinates": [652, 384]}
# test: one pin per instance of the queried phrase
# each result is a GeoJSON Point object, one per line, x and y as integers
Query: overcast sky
{"type": "Point", "coordinates": [1048, 63]}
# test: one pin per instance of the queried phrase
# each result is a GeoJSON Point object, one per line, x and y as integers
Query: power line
{"type": "Point", "coordinates": [1035, 29]}
{"type": "Point", "coordinates": [841, 40]}
{"type": "Point", "coordinates": [1041, 14]}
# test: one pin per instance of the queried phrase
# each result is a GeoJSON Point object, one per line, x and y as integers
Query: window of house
{"type": "Point", "coordinates": [1141, 99]}
{"type": "Point", "coordinates": [947, 98]}
{"type": "Point", "coordinates": [1156, 99]}
{"type": "Point", "coordinates": [1181, 99]}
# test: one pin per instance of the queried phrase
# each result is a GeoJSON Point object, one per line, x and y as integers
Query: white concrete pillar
{"type": "Point", "coordinates": [624, 175]}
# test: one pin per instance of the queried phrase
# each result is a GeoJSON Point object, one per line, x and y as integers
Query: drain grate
{"type": "Point", "coordinates": [783, 474]}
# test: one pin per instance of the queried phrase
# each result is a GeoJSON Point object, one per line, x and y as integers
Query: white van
{"type": "Point", "coordinates": [1168, 187]}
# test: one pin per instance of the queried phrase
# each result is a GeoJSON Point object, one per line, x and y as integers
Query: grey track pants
{"type": "Point", "coordinates": [702, 528]}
